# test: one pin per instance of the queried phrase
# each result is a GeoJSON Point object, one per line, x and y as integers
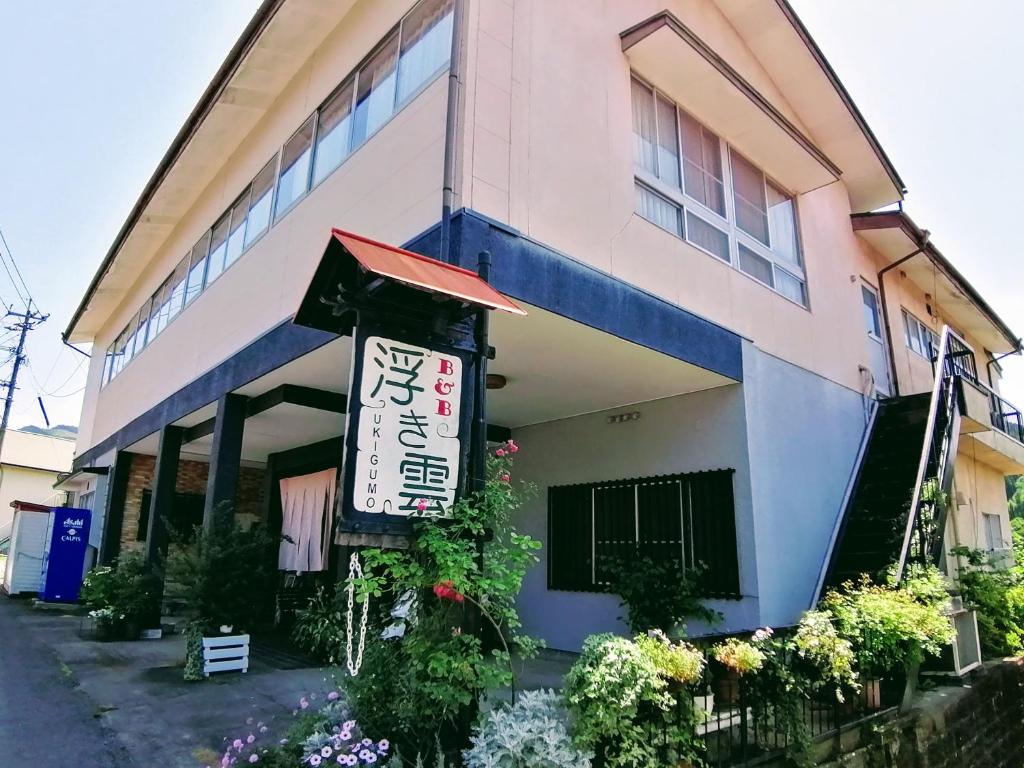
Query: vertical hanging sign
{"type": "Point", "coordinates": [409, 443]}
{"type": "Point", "coordinates": [408, 428]}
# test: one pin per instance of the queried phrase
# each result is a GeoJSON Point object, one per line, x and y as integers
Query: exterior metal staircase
{"type": "Point", "coordinates": [894, 511]}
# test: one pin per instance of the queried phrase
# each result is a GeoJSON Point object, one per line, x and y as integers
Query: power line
{"type": "Point", "coordinates": [10, 254]}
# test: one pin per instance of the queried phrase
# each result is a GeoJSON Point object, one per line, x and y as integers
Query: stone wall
{"type": "Point", "coordinates": [192, 476]}
{"type": "Point", "coordinates": [977, 725]}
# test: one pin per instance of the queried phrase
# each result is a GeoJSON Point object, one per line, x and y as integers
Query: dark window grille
{"type": "Point", "coordinates": [689, 518]}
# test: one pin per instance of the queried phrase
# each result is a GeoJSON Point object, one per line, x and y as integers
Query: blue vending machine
{"type": "Point", "coordinates": [68, 539]}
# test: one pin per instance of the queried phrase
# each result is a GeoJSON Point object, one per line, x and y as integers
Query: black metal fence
{"type": "Point", "coordinates": [1006, 418]}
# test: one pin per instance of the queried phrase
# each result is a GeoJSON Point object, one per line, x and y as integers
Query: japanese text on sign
{"type": "Point", "coordinates": [408, 445]}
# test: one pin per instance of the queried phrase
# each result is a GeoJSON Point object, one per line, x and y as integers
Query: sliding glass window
{"type": "Point", "coordinates": [426, 46]}
{"type": "Point", "coordinates": [218, 249]}
{"type": "Point", "coordinates": [333, 133]}
{"type": "Point", "coordinates": [689, 183]}
{"type": "Point", "coordinates": [375, 92]}
{"type": "Point", "coordinates": [197, 268]}
{"type": "Point", "coordinates": [236, 233]}
{"type": "Point", "coordinates": [260, 202]}
{"type": "Point", "coordinates": [293, 182]}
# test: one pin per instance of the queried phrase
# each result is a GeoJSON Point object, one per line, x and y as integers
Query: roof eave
{"type": "Point", "coordinates": [900, 220]}
{"type": "Point", "coordinates": [206, 102]}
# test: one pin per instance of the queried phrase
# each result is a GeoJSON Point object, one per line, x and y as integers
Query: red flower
{"type": "Point", "coordinates": [500, 452]}
{"type": "Point", "coordinates": [512, 447]}
{"type": "Point", "coordinates": [446, 590]}
{"type": "Point", "coordinates": [506, 478]}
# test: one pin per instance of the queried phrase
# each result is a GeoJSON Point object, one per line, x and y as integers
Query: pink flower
{"type": "Point", "coordinates": [500, 452]}
{"type": "Point", "coordinates": [314, 760]}
{"type": "Point", "coordinates": [254, 758]}
{"type": "Point", "coordinates": [512, 447]}
{"type": "Point", "coordinates": [303, 703]}
{"type": "Point", "coordinates": [250, 739]}
{"type": "Point", "coordinates": [421, 505]}
{"type": "Point", "coordinates": [237, 744]}
{"type": "Point", "coordinates": [332, 696]}
{"type": "Point", "coordinates": [506, 478]}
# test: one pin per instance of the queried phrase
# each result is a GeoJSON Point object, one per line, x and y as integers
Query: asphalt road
{"type": "Point", "coordinates": [44, 718]}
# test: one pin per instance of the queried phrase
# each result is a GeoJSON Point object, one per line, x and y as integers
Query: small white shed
{"type": "Point", "coordinates": [30, 535]}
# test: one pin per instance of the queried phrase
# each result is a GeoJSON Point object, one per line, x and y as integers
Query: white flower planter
{"type": "Point", "coordinates": [225, 653]}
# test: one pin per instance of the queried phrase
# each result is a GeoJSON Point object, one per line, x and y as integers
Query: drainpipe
{"type": "Point", "coordinates": [994, 360]}
{"type": "Point", "coordinates": [451, 120]}
{"type": "Point", "coordinates": [922, 244]}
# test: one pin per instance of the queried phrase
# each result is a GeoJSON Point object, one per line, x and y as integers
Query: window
{"type": "Point", "coordinates": [218, 248]}
{"type": "Point", "coordinates": [406, 60]}
{"type": "Point", "coordinates": [333, 133]}
{"type": "Point", "coordinates": [177, 285]}
{"type": "Point", "coordinates": [426, 46]}
{"type": "Point", "coordinates": [260, 203]}
{"type": "Point", "coordinates": [871, 319]}
{"type": "Point", "coordinates": [920, 337]}
{"type": "Point", "coordinates": [143, 334]}
{"type": "Point", "coordinates": [993, 530]}
{"type": "Point", "coordinates": [658, 210]}
{"type": "Point", "coordinates": [688, 518]}
{"type": "Point", "coordinates": [293, 181]}
{"type": "Point", "coordinates": [197, 268]}
{"type": "Point", "coordinates": [702, 167]}
{"type": "Point", "coordinates": [749, 197]}
{"type": "Point", "coordinates": [682, 186]}
{"type": "Point", "coordinates": [375, 92]}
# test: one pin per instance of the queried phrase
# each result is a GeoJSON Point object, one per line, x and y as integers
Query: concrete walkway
{"type": "Point", "coordinates": [124, 704]}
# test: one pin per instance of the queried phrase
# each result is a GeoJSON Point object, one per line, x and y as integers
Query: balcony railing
{"type": "Point", "coordinates": [960, 360]}
{"type": "Point", "coordinates": [1006, 417]}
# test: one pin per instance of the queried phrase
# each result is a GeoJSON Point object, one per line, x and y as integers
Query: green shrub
{"type": "Point", "coordinates": [998, 597]}
{"type": "Point", "coordinates": [741, 657]}
{"type": "Point", "coordinates": [320, 627]}
{"type": "Point", "coordinates": [680, 662]}
{"type": "Point", "coordinates": [224, 577]}
{"type": "Point", "coordinates": [616, 695]}
{"type": "Point", "coordinates": [427, 679]}
{"type": "Point", "coordinates": [126, 591]}
{"type": "Point", "coordinates": [891, 628]}
{"type": "Point", "coordinates": [658, 593]}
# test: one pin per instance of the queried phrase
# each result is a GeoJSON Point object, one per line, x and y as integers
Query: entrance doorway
{"type": "Point", "coordinates": [878, 357]}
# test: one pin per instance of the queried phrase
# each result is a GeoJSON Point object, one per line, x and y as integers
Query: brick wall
{"type": "Point", "coordinates": [192, 476]}
{"type": "Point", "coordinates": [977, 725]}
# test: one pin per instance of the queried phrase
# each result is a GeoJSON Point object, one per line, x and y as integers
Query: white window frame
{"type": "Point", "coordinates": [926, 337]}
{"type": "Point", "coordinates": [726, 224]}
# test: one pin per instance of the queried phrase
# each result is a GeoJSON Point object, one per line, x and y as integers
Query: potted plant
{"type": "Point", "coordinates": [119, 596]}
{"type": "Point", "coordinates": [737, 658]}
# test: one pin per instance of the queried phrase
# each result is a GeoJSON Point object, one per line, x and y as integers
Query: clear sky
{"type": "Point", "coordinates": [93, 93]}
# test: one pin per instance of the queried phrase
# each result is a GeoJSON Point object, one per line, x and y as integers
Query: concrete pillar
{"type": "Point", "coordinates": [113, 515]}
{"type": "Point", "coordinates": [225, 456]}
{"type": "Point", "coordinates": [165, 480]}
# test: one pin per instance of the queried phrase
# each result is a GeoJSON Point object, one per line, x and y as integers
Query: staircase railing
{"type": "Point", "coordinates": [926, 521]}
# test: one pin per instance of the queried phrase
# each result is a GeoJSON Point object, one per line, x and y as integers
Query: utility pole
{"type": "Point", "coordinates": [26, 321]}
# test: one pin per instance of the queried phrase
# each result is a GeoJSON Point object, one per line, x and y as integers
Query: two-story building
{"type": "Point", "coordinates": [683, 197]}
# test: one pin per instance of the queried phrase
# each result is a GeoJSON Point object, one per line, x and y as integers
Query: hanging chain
{"type": "Point", "coordinates": [355, 570]}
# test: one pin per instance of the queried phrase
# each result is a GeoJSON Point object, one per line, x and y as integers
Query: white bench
{"type": "Point", "coordinates": [225, 653]}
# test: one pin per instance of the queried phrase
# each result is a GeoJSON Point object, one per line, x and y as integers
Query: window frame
{"type": "Point", "coordinates": [727, 223]}
{"type": "Point", "coordinates": [922, 333]}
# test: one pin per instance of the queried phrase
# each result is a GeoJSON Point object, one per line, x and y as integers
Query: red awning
{"type": "Point", "coordinates": [423, 272]}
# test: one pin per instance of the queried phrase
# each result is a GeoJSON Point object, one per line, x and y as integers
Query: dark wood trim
{"type": "Point", "coordinates": [294, 394]}
{"type": "Point", "coordinates": [635, 34]}
{"type": "Point", "coordinates": [225, 455]}
{"type": "Point", "coordinates": [165, 481]}
{"type": "Point", "coordinates": [114, 516]}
